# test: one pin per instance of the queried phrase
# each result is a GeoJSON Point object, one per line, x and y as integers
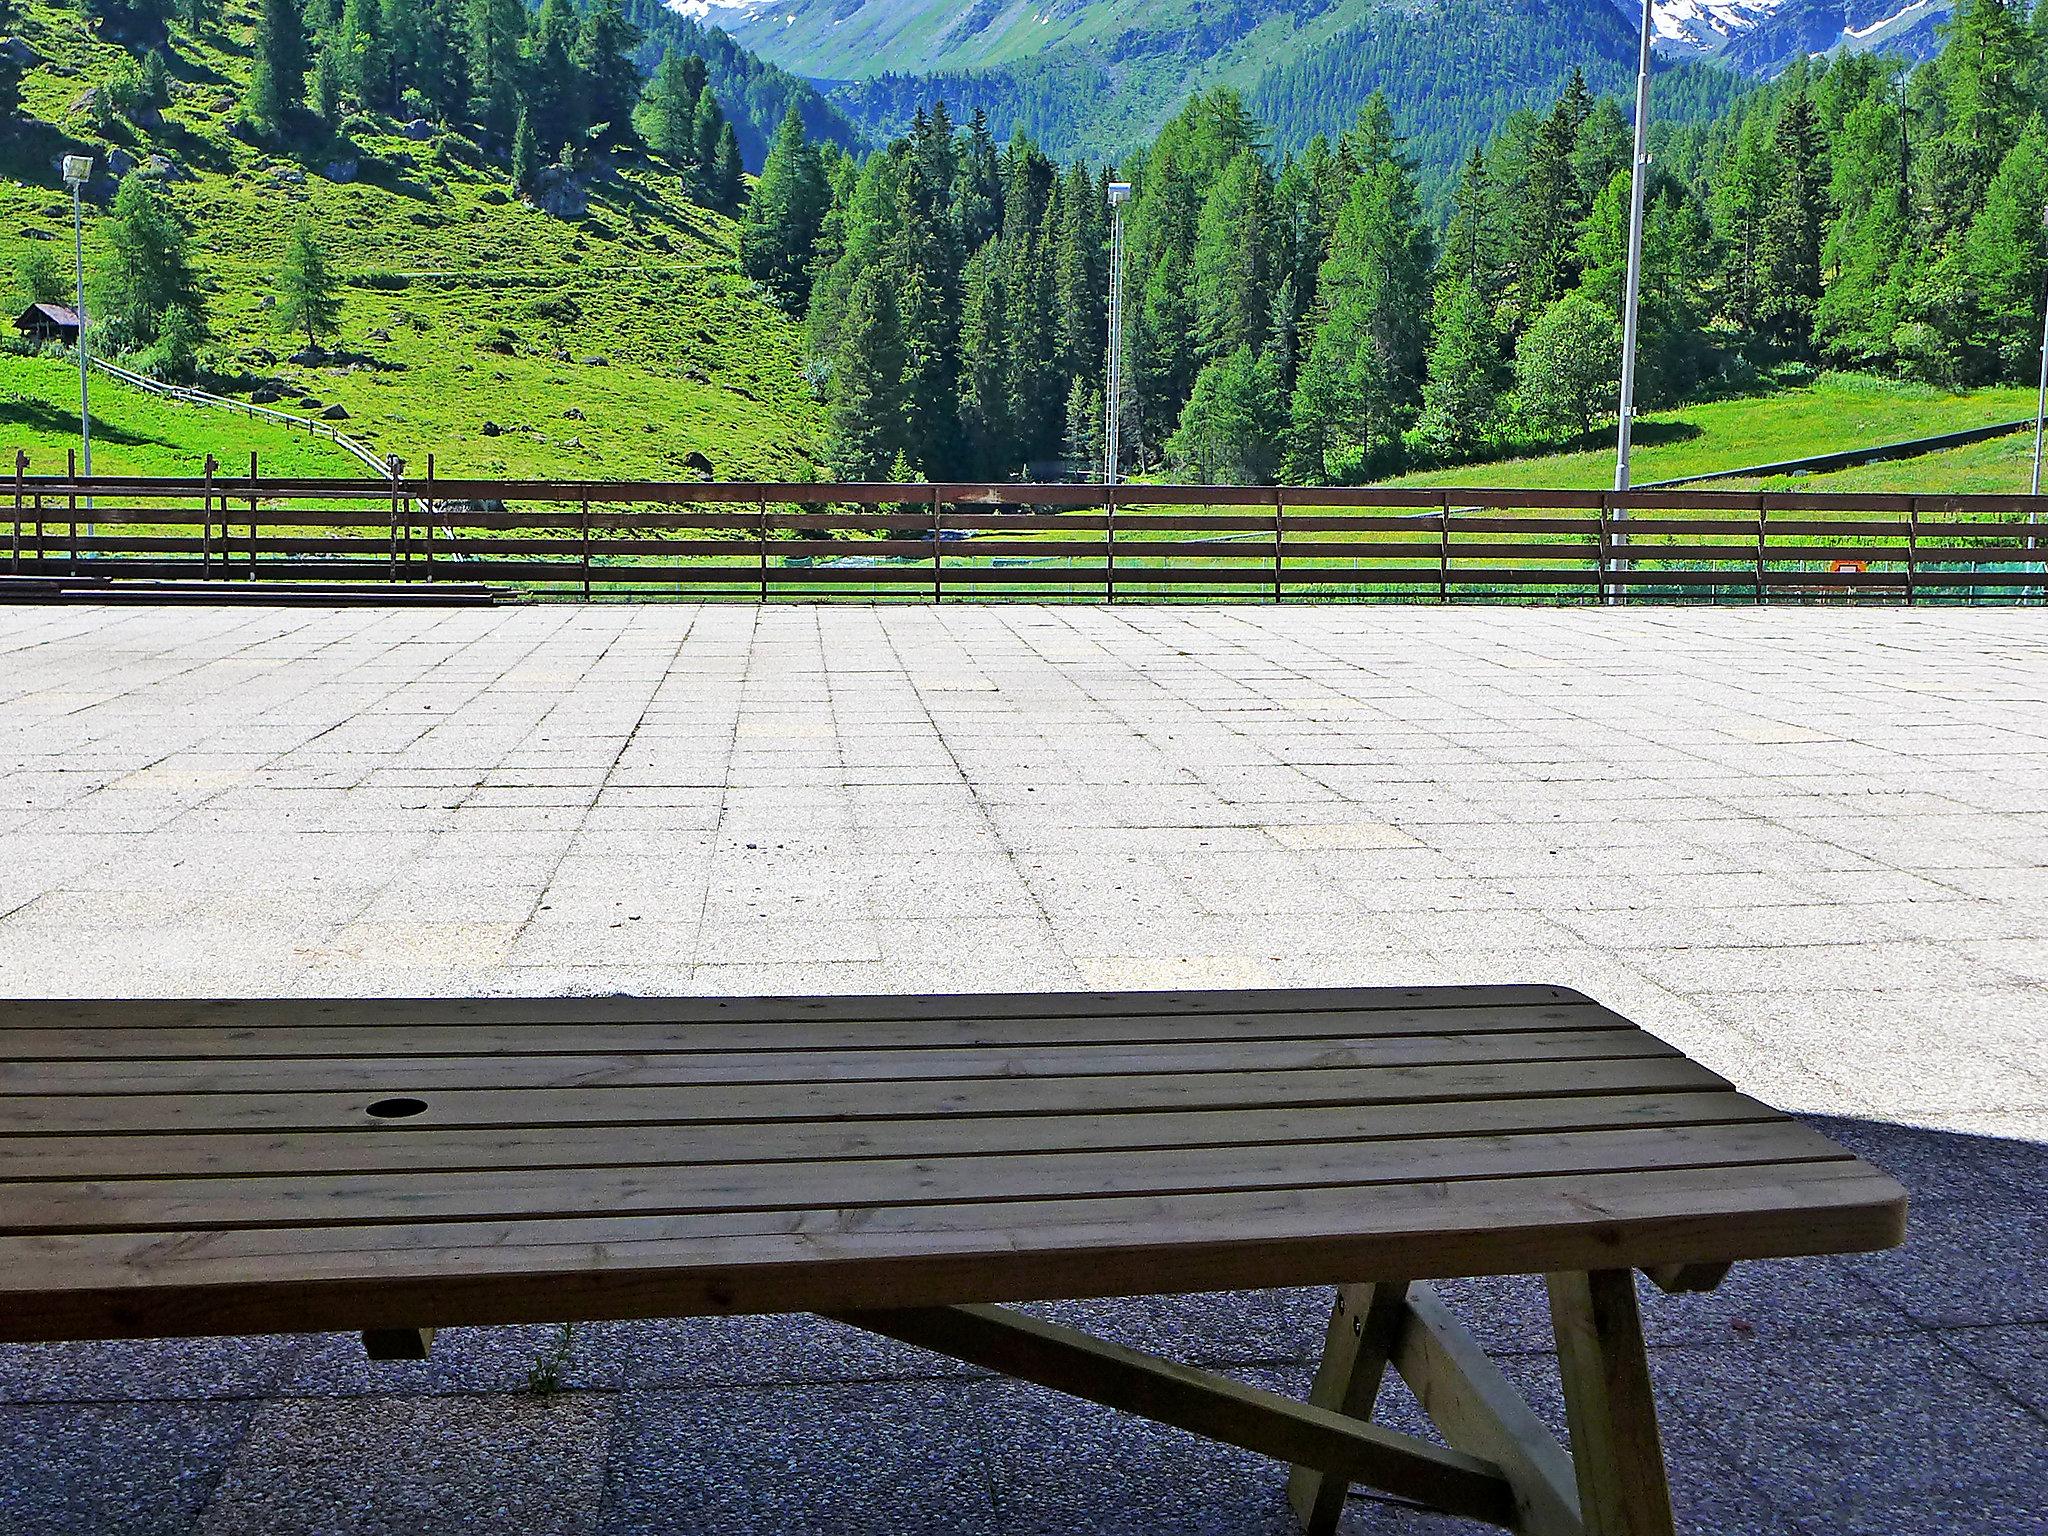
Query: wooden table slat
{"type": "Point", "coordinates": [767, 1070]}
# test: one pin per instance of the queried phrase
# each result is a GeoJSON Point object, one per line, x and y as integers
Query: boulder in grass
{"type": "Point", "coordinates": [491, 429]}
{"type": "Point", "coordinates": [307, 357]}
{"type": "Point", "coordinates": [335, 413]}
{"type": "Point", "coordinates": [572, 414]}
{"type": "Point", "coordinates": [265, 396]}
{"type": "Point", "coordinates": [380, 334]}
{"type": "Point", "coordinates": [418, 129]}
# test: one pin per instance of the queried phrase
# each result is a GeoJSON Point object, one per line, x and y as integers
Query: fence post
{"type": "Point", "coordinates": [1279, 536]}
{"type": "Point", "coordinates": [1763, 513]}
{"type": "Point", "coordinates": [20, 475]}
{"type": "Point", "coordinates": [1912, 550]}
{"type": "Point", "coordinates": [252, 509]}
{"type": "Point", "coordinates": [938, 563]}
{"type": "Point", "coordinates": [586, 549]}
{"type": "Point", "coordinates": [761, 547]}
{"type": "Point", "coordinates": [1443, 552]}
{"type": "Point", "coordinates": [71, 510]}
{"type": "Point", "coordinates": [1609, 592]}
{"type": "Point", "coordinates": [431, 505]}
{"type": "Point", "coordinates": [206, 497]}
{"type": "Point", "coordinates": [1109, 543]}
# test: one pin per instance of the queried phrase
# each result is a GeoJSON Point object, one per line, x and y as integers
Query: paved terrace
{"type": "Point", "coordinates": [1810, 847]}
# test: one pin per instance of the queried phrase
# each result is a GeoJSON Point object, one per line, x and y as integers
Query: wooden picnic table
{"type": "Point", "coordinates": [906, 1163]}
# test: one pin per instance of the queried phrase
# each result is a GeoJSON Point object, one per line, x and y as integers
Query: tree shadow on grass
{"type": "Point", "coordinates": [38, 416]}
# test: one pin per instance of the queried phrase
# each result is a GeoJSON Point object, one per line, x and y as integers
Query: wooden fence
{"type": "Point", "coordinates": [765, 542]}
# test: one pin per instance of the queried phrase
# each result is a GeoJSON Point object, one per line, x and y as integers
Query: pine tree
{"type": "Point", "coordinates": [2007, 261]}
{"type": "Point", "coordinates": [554, 92]}
{"type": "Point", "coordinates": [671, 116]}
{"type": "Point", "coordinates": [526, 161]}
{"type": "Point", "coordinates": [39, 277]}
{"type": "Point", "coordinates": [779, 232]}
{"type": "Point", "coordinates": [327, 83]}
{"type": "Point", "coordinates": [277, 84]}
{"type": "Point", "coordinates": [1233, 422]}
{"type": "Point", "coordinates": [1789, 238]}
{"type": "Point", "coordinates": [986, 431]}
{"type": "Point", "coordinates": [495, 32]}
{"type": "Point", "coordinates": [1080, 272]}
{"type": "Point", "coordinates": [364, 54]}
{"type": "Point", "coordinates": [1233, 266]}
{"type": "Point", "coordinates": [146, 273]}
{"type": "Point", "coordinates": [728, 171]}
{"type": "Point", "coordinates": [864, 411]}
{"type": "Point", "coordinates": [308, 296]}
{"type": "Point", "coordinates": [1467, 374]}
{"type": "Point", "coordinates": [978, 201]}
{"type": "Point", "coordinates": [706, 123]}
{"type": "Point", "coordinates": [610, 79]}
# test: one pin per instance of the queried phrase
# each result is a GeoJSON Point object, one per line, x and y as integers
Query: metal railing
{"type": "Point", "coordinates": [770, 541]}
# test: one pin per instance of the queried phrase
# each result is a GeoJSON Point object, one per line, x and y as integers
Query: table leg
{"type": "Point", "coordinates": [1608, 1405]}
{"type": "Point", "coordinates": [1363, 1328]}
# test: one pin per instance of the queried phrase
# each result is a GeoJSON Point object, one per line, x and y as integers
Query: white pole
{"type": "Point", "coordinates": [2041, 404]}
{"type": "Point", "coordinates": [84, 366]}
{"type": "Point", "coordinates": [1639, 190]}
{"type": "Point", "coordinates": [1113, 367]}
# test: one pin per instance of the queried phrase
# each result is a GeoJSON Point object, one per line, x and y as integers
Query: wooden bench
{"type": "Point", "coordinates": [903, 1164]}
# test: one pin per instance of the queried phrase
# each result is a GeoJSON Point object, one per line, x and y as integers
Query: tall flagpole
{"type": "Point", "coordinates": [1639, 191]}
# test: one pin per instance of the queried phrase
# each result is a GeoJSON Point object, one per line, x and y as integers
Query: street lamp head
{"type": "Point", "coordinates": [1119, 193]}
{"type": "Point", "coordinates": [77, 170]}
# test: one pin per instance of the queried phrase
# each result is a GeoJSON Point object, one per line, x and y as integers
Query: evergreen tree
{"type": "Point", "coordinates": [784, 218]}
{"type": "Point", "coordinates": [364, 55]}
{"type": "Point", "coordinates": [554, 92]}
{"type": "Point", "coordinates": [277, 83]}
{"type": "Point", "coordinates": [671, 115]}
{"type": "Point", "coordinates": [864, 411]}
{"type": "Point", "coordinates": [494, 39]}
{"type": "Point", "coordinates": [1080, 272]}
{"type": "Point", "coordinates": [985, 427]}
{"type": "Point", "coordinates": [610, 80]}
{"type": "Point", "coordinates": [2005, 258]}
{"type": "Point", "coordinates": [1233, 267]}
{"type": "Point", "coordinates": [978, 200]}
{"type": "Point", "coordinates": [1461, 400]}
{"type": "Point", "coordinates": [308, 296]}
{"type": "Point", "coordinates": [1233, 422]}
{"type": "Point", "coordinates": [706, 123]}
{"type": "Point", "coordinates": [327, 84]}
{"type": "Point", "coordinates": [526, 161]}
{"type": "Point", "coordinates": [1789, 237]}
{"type": "Point", "coordinates": [728, 175]}
{"type": "Point", "coordinates": [146, 273]}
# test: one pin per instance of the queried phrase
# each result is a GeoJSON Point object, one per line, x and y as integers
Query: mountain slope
{"type": "Point", "coordinates": [1761, 37]}
{"type": "Point", "coordinates": [474, 326]}
{"type": "Point", "coordinates": [1091, 77]}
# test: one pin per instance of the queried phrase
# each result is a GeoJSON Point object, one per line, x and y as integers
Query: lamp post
{"type": "Point", "coordinates": [2041, 404]}
{"type": "Point", "coordinates": [77, 172]}
{"type": "Point", "coordinates": [1639, 188]}
{"type": "Point", "coordinates": [1113, 368]}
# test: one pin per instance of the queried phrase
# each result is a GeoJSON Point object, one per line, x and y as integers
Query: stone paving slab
{"type": "Point", "coordinates": [1809, 846]}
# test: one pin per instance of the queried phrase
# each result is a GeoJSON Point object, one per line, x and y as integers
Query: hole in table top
{"type": "Point", "coordinates": [398, 1109]}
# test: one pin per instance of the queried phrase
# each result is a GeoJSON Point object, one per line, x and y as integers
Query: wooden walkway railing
{"type": "Point", "coordinates": [767, 541]}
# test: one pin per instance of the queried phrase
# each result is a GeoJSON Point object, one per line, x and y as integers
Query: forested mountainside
{"type": "Point", "coordinates": [755, 94]}
{"type": "Point", "coordinates": [1300, 315]}
{"type": "Point", "coordinates": [475, 231]}
{"type": "Point", "coordinates": [1101, 79]}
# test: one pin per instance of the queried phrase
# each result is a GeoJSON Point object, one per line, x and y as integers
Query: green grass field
{"type": "Point", "coordinates": [2003, 466]}
{"type": "Point", "coordinates": [1837, 411]}
{"type": "Point", "coordinates": [463, 305]}
{"type": "Point", "coordinates": [134, 433]}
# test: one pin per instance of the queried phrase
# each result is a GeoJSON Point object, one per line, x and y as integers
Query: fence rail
{"type": "Point", "coordinates": [767, 541]}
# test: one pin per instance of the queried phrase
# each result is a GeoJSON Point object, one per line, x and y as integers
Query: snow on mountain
{"type": "Point", "coordinates": [1763, 36]}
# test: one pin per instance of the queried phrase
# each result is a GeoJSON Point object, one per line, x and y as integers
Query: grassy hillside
{"type": "Point", "coordinates": [1838, 411]}
{"type": "Point", "coordinates": [134, 433]}
{"type": "Point", "coordinates": [2003, 466]}
{"type": "Point", "coordinates": [464, 306]}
